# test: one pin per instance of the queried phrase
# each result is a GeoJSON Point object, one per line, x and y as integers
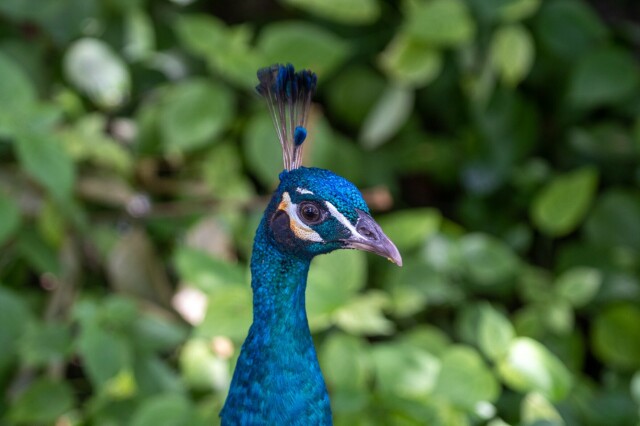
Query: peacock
{"type": "Point", "coordinates": [277, 379]}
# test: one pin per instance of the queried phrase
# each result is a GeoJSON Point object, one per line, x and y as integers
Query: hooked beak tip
{"type": "Point", "coordinates": [372, 239]}
{"type": "Point", "coordinates": [397, 259]}
{"type": "Point", "coordinates": [391, 252]}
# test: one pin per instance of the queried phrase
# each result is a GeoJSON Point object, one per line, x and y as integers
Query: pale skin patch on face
{"type": "Point", "coordinates": [299, 229]}
{"type": "Point", "coordinates": [303, 191]}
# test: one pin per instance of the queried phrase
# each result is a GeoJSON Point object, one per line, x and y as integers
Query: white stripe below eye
{"type": "Point", "coordinates": [299, 229]}
{"type": "Point", "coordinates": [303, 191]}
{"type": "Point", "coordinates": [342, 219]}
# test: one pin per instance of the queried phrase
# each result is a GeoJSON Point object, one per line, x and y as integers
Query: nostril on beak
{"type": "Point", "coordinates": [367, 233]}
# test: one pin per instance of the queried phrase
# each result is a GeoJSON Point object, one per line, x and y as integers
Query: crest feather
{"type": "Point", "coordinates": [288, 95]}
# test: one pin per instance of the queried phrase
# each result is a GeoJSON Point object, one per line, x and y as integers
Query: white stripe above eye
{"type": "Point", "coordinates": [303, 191]}
{"type": "Point", "coordinates": [342, 219]}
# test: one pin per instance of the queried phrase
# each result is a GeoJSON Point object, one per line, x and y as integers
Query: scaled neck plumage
{"type": "Point", "coordinates": [279, 281]}
{"type": "Point", "coordinates": [277, 379]}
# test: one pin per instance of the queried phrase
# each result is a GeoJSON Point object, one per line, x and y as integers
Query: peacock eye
{"type": "Point", "coordinates": [310, 213]}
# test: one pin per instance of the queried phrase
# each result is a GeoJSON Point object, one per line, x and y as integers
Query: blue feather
{"type": "Point", "coordinates": [299, 135]}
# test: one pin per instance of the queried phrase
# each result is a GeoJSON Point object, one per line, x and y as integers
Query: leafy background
{"type": "Point", "coordinates": [497, 142]}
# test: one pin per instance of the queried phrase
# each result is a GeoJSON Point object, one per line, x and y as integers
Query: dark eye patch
{"type": "Point", "coordinates": [280, 223]}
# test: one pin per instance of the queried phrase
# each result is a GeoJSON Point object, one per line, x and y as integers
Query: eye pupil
{"type": "Point", "coordinates": [310, 212]}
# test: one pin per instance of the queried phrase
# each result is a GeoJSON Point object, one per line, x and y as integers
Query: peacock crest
{"type": "Point", "coordinates": [288, 94]}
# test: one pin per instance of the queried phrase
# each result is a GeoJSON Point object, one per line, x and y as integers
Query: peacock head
{"type": "Point", "coordinates": [313, 211]}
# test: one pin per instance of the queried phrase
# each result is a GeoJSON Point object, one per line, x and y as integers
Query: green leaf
{"type": "Point", "coordinates": [118, 313]}
{"type": "Point", "coordinates": [537, 410]}
{"type": "Point", "coordinates": [534, 284]}
{"type": "Point", "coordinates": [616, 336]}
{"type": "Point", "coordinates": [201, 369]}
{"type": "Point", "coordinates": [353, 92]}
{"type": "Point", "coordinates": [558, 316]}
{"type": "Point", "coordinates": [388, 115]}
{"type": "Point", "coordinates": [97, 71]}
{"type": "Point", "coordinates": [227, 50]}
{"type": "Point", "coordinates": [561, 205]}
{"type": "Point", "coordinates": [354, 12]}
{"type": "Point", "coordinates": [88, 141]}
{"type": "Point", "coordinates": [262, 149]}
{"type": "Point", "coordinates": [488, 260]}
{"type": "Point", "coordinates": [403, 370]}
{"type": "Point", "coordinates": [165, 410]}
{"type": "Point", "coordinates": [579, 285]}
{"type": "Point", "coordinates": [512, 53]}
{"type": "Point", "coordinates": [148, 139]}
{"type": "Point", "coordinates": [428, 338]}
{"type": "Point", "coordinates": [201, 34]}
{"type": "Point", "coordinates": [58, 20]}
{"type": "Point", "coordinates": [409, 229]}
{"type": "Point", "coordinates": [153, 375]}
{"type": "Point", "coordinates": [604, 76]}
{"type": "Point", "coordinates": [464, 379]}
{"type": "Point", "coordinates": [9, 217]}
{"type": "Point", "coordinates": [304, 45]}
{"type": "Point", "coordinates": [445, 23]}
{"type": "Point", "coordinates": [613, 221]}
{"type": "Point", "coordinates": [121, 386]}
{"type": "Point", "coordinates": [443, 253]}
{"type": "Point", "coordinates": [139, 34]}
{"type": "Point", "coordinates": [223, 171]}
{"type": "Point", "coordinates": [42, 156]}
{"type": "Point", "coordinates": [205, 272]}
{"type": "Point", "coordinates": [517, 10]}
{"type": "Point", "coordinates": [569, 28]}
{"type": "Point", "coordinates": [194, 114]}
{"type": "Point", "coordinates": [495, 332]}
{"type": "Point", "coordinates": [43, 402]}
{"type": "Point", "coordinates": [104, 355]}
{"type": "Point", "coordinates": [345, 362]}
{"type": "Point", "coordinates": [418, 285]}
{"type": "Point", "coordinates": [45, 343]}
{"type": "Point", "coordinates": [157, 333]}
{"type": "Point", "coordinates": [333, 280]}
{"type": "Point", "coordinates": [529, 366]}
{"type": "Point", "coordinates": [363, 315]}
{"type": "Point", "coordinates": [40, 256]}
{"type": "Point", "coordinates": [484, 326]}
{"type": "Point", "coordinates": [228, 314]}
{"type": "Point", "coordinates": [18, 9]}
{"type": "Point", "coordinates": [14, 318]}
{"type": "Point", "coordinates": [410, 62]}
{"type": "Point", "coordinates": [15, 88]}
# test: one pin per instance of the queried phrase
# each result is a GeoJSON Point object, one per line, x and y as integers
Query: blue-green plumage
{"type": "Point", "coordinates": [277, 380]}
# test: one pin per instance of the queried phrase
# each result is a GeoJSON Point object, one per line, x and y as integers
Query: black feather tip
{"type": "Point", "coordinates": [288, 94]}
{"type": "Point", "coordinates": [285, 82]}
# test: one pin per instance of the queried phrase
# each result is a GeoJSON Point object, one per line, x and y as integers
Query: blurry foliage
{"type": "Point", "coordinates": [503, 136]}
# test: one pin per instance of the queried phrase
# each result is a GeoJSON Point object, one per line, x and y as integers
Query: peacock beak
{"type": "Point", "coordinates": [369, 237]}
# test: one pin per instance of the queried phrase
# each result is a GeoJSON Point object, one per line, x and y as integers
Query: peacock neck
{"type": "Point", "coordinates": [277, 379]}
{"type": "Point", "coordinates": [279, 281]}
